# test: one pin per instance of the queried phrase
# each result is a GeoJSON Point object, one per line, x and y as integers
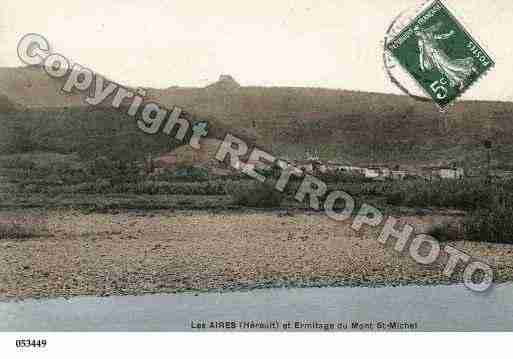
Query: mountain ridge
{"type": "Point", "coordinates": [292, 120]}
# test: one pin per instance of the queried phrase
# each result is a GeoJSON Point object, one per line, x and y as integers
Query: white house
{"type": "Point", "coordinates": [443, 172]}
{"type": "Point", "coordinates": [376, 172]}
{"type": "Point", "coordinates": [452, 173]}
{"type": "Point", "coordinates": [399, 175]}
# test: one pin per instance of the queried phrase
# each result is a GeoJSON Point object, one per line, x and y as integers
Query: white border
{"type": "Point", "coordinates": [261, 345]}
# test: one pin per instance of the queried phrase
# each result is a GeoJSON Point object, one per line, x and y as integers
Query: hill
{"type": "Point", "coordinates": [33, 88]}
{"type": "Point", "coordinates": [337, 124]}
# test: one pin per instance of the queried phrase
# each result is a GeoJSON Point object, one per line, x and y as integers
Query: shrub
{"type": "Point", "coordinates": [463, 194]}
{"type": "Point", "coordinates": [117, 171]}
{"type": "Point", "coordinates": [21, 227]}
{"type": "Point", "coordinates": [254, 194]}
{"type": "Point", "coordinates": [342, 176]}
{"type": "Point", "coordinates": [69, 172]}
{"type": "Point", "coordinates": [149, 187]}
{"type": "Point", "coordinates": [446, 231]}
{"type": "Point", "coordinates": [18, 162]}
{"type": "Point", "coordinates": [186, 174]}
{"type": "Point", "coordinates": [490, 225]}
{"type": "Point", "coordinates": [173, 188]}
{"type": "Point", "coordinates": [192, 174]}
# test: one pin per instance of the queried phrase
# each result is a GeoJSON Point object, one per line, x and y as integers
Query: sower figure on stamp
{"type": "Point", "coordinates": [432, 56]}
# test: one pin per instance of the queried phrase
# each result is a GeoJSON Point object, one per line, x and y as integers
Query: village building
{"type": "Point", "coordinates": [376, 172]}
{"type": "Point", "coordinates": [186, 156]}
{"type": "Point", "coordinates": [167, 160]}
{"type": "Point", "coordinates": [443, 172]}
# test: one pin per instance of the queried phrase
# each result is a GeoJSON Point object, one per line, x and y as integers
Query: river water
{"type": "Point", "coordinates": [427, 307]}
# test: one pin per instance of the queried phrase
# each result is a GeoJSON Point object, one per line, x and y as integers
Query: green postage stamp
{"type": "Point", "coordinates": [440, 54]}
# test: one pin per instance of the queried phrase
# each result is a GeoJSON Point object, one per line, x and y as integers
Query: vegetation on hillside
{"type": "Point", "coordinates": [73, 149]}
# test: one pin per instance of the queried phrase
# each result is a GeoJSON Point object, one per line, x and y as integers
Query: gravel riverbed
{"type": "Point", "coordinates": [172, 251]}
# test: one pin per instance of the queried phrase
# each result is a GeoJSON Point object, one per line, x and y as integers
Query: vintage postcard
{"type": "Point", "coordinates": [271, 166]}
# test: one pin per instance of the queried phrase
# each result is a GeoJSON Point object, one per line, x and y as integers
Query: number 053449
{"type": "Point", "coordinates": [28, 343]}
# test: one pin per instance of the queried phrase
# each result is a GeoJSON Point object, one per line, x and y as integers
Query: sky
{"type": "Point", "coordinates": [320, 43]}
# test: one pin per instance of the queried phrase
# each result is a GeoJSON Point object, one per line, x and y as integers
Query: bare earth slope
{"type": "Point", "coordinates": [289, 120]}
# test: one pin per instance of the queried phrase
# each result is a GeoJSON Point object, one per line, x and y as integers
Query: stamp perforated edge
{"type": "Point", "coordinates": [463, 25]}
